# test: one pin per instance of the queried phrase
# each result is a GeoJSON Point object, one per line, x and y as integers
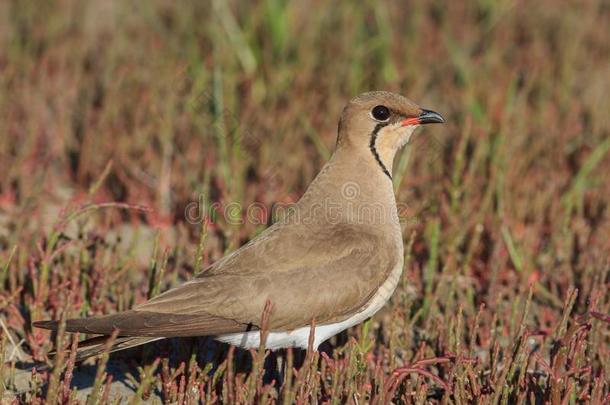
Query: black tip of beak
{"type": "Point", "coordinates": [430, 117]}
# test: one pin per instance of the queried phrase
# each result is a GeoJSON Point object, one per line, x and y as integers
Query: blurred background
{"type": "Point", "coordinates": [117, 116]}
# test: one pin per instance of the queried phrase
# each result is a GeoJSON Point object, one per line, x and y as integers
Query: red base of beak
{"type": "Point", "coordinates": [410, 121]}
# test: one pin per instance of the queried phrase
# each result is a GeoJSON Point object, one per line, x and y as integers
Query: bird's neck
{"type": "Point", "coordinates": [353, 186]}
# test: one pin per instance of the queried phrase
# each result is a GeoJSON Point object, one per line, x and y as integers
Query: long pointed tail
{"type": "Point", "coordinates": [97, 345]}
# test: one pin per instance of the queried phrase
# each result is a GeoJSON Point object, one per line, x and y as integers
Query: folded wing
{"type": "Point", "coordinates": [296, 269]}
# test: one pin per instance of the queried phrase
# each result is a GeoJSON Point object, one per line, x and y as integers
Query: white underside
{"type": "Point", "coordinates": [300, 337]}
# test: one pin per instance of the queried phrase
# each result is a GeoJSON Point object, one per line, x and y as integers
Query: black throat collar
{"type": "Point", "coordinates": [373, 148]}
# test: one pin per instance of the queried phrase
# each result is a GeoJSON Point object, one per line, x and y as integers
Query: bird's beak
{"type": "Point", "coordinates": [425, 117]}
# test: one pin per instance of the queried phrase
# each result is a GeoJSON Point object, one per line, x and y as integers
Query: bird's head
{"type": "Point", "coordinates": [381, 122]}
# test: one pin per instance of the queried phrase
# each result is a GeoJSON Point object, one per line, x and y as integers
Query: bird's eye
{"type": "Point", "coordinates": [381, 113]}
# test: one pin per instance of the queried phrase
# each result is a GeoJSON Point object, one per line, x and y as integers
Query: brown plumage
{"type": "Point", "coordinates": [335, 257]}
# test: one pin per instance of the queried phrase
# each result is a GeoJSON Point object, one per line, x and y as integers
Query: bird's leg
{"type": "Point", "coordinates": [280, 367]}
{"type": "Point", "coordinates": [273, 369]}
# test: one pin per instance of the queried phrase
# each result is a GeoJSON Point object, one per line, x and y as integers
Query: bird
{"type": "Point", "coordinates": [334, 259]}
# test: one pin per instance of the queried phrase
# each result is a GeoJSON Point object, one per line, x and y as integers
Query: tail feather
{"type": "Point", "coordinates": [96, 346]}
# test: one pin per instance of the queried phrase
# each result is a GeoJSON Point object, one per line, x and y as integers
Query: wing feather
{"type": "Point", "coordinates": [142, 323]}
{"type": "Point", "coordinates": [299, 275]}
{"type": "Point", "coordinates": [324, 273]}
